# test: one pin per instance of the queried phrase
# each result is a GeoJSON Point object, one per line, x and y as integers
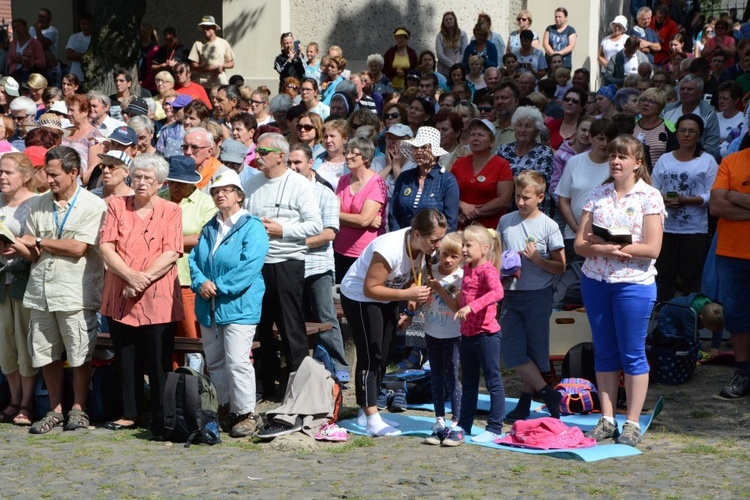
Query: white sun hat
{"type": "Point", "coordinates": [425, 136]}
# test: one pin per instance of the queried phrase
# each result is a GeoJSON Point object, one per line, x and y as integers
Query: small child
{"type": "Point", "coordinates": [442, 336]}
{"type": "Point", "coordinates": [480, 332]}
{"type": "Point", "coordinates": [562, 77]}
{"type": "Point", "coordinates": [675, 323]}
{"type": "Point", "coordinates": [529, 298]}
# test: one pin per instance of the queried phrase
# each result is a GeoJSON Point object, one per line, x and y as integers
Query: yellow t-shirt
{"type": "Point", "coordinates": [402, 62]}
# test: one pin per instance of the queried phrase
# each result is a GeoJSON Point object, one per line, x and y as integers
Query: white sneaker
{"type": "Point", "coordinates": [486, 437]}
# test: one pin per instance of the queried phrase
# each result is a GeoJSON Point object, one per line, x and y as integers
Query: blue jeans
{"type": "Point", "coordinates": [618, 314]}
{"type": "Point", "coordinates": [443, 355]}
{"type": "Point", "coordinates": [734, 275]}
{"type": "Point", "coordinates": [319, 307]}
{"type": "Point", "coordinates": [482, 351]}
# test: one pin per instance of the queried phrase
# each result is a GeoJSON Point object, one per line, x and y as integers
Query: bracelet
{"type": "Point", "coordinates": [408, 312]}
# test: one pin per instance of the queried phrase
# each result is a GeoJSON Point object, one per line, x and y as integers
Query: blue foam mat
{"type": "Point", "coordinates": [411, 425]}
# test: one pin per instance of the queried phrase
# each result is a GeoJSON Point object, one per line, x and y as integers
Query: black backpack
{"type": "Point", "coordinates": [579, 363]}
{"type": "Point", "coordinates": [416, 383]}
{"type": "Point", "coordinates": [189, 409]}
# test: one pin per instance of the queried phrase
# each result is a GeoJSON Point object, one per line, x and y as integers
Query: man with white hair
{"type": "Point", "coordinates": [22, 112]}
{"type": "Point", "coordinates": [99, 114]}
{"type": "Point", "coordinates": [285, 203]}
{"type": "Point", "coordinates": [649, 40]}
{"type": "Point", "coordinates": [199, 145]}
{"type": "Point", "coordinates": [691, 101]}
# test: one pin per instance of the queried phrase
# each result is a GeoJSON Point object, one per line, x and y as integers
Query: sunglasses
{"type": "Point", "coordinates": [485, 109]}
{"type": "Point", "coordinates": [391, 116]}
{"type": "Point", "coordinates": [571, 100]}
{"type": "Point", "coordinates": [267, 151]}
{"type": "Point", "coordinates": [290, 86]}
{"type": "Point", "coordinates": [304, 126]}
{"type": "Point", "coordinates": [522, 19]}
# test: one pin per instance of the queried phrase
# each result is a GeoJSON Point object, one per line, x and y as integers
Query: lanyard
{"type": "Point", "coordinates": [59, 225]}
{"type": "Point", "coordinates": [417, 277]}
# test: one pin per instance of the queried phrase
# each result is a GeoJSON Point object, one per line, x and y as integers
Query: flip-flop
{"type": "Point", "coordinates": [5, 417]}
{"type": "Point", "coordinates": [21, 419]}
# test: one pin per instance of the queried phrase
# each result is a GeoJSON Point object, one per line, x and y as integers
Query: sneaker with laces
{"type": "Point", "coordinates": [739, 385]}
{"type": "Point", "coordinates": [398, 403]}
{"type": "Point", "coordinates": [630, 435]}
{"type": "Point", "coordinates": [331, 432]}
{"type": "Point", "coordinates": [246, 425]}
{"type": "Point", "coordinates": [384, 399]}
{"type": "Point", "coordinates": [438, 434]}
{"type": "Point", "coordinates": [604, 430]}
{"type": "Point", "coordinates": [455, 437]}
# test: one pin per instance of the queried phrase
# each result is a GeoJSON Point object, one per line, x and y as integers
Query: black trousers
{"type": "Point", "coordinates": [373, 327]}
{"type": "Point", "coordinates": [342, 263]}
{"type": "Point", "coordinates": [681, 255]}
{"type": "Point", "coordinates": [138, 346]}
{"type": "Point", "coordinates": [282, 305]}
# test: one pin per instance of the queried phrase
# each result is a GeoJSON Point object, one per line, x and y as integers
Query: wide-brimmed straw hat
{"type": "Point", "coordinates": [425, 136]}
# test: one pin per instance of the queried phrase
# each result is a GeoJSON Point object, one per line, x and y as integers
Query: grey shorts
{"type": "Point", "coordinates": [51, 333]}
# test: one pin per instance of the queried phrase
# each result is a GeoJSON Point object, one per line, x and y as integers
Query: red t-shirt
{"type": "Point", "coordinates": [482, 188]}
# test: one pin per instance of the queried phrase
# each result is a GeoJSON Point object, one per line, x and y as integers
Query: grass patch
{"type": "Point", "coordinates": [702, 414]}
{"type": "Point", "coordinates": [519, 468]}
{"type": "Point", "coordinates": [352, 444]}
{"type": "Point", "coordinates": [608, 491]}
{"type": "Point", "coordinates": [702, 449]}
{"type": "Point", "coordinates": [246, 445]}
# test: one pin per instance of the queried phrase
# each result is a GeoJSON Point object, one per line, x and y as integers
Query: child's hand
{"type": "Point", "coordinates": [418, 294]}
{"type": "Point", "coordinates": [434, 285]}
{"type": "Point", "coordinates": [404, 321]}
{"type": "Point", "coordinates": [462, 313]}
{"type": "Point", "coordinates": [531, 253]}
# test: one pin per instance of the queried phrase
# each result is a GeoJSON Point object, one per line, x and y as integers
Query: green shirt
{"type": "Point", "coordinates": [197, 210]}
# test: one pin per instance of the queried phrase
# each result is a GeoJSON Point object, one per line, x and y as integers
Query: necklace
{"type": "Point", "coordinates": [417, 277]}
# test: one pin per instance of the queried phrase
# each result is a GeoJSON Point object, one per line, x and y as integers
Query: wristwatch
{"type": "Point", "coordinates": [39, 243]}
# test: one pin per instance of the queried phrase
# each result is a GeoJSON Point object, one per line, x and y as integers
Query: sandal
{"type": "Point", "coordinates": [7, 418]}
{"type": "Point", "coordinates": [23, 417]}
{"type": "Point", "coordinates": [77, 419]}
{"type": "Point", "coordinates": [51, 420]}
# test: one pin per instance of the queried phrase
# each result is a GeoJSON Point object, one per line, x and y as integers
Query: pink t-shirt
{"type": "Point", "coordinates": [481, 290]}
{"type": "Point", "coordinates": [351, 241]}
{"type": "Point", "coordinates": [139, 242]}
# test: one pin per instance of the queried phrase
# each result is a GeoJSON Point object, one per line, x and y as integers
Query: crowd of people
{"type": "Point", "coordinates": [453, 185]}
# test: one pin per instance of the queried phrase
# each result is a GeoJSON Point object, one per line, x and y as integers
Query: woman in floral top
{"type": "Point", "coordinates": [525, 153]}
{"type": "Point", "coordinates": [618, 284]}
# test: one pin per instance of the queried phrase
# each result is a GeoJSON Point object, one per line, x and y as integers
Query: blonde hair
{"type": "Point", "coordinates": [712, 315]}
{"type": "Point", "coordinates": [452, 243]}
{"type": "Point", "coordinates": [24, 166]}
{"type": "Point", "coordinates": [36, 81]}
{"type": "Point", "coordinates": [562, 72]}
{"type": "Point", "coordinates": [488, 237]}
{"type": "Point", "coordinates": [338, 125]}
{"type": "Point", "coordinates": [531, 178]}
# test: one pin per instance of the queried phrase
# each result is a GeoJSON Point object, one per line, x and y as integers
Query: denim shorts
{"type": "Point", "coordinates": [734, 277]}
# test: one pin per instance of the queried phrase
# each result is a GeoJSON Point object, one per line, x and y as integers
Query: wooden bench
{"type": "Point", "coordinates": [184, 345]}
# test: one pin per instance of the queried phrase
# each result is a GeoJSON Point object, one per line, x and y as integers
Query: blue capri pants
{"type": "Point", "coordinates": [619, 314]}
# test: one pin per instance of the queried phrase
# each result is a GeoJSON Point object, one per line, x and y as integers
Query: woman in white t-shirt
{"type": "Point", "coordinates": [684, 177]}
{"type": "Point", "coordinates": [730, 96]}
{"type": "Point", "coordinates": [613, 43]}
{"type": "Point", "coordinates": [582, 173]}
{"type": "Point", "coordinates": [370, 294]}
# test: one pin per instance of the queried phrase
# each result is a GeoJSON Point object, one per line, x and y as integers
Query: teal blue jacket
{"type": "Point", "coordinates": [235, 269]}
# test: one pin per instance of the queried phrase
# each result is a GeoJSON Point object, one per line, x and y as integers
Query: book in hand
{"type": "Point", "coordinates": [5, 235]}
{"type": "Point", "coordinates": [619, 235]}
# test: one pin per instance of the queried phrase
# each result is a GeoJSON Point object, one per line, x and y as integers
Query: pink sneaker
{"type": "Point", "coordinates": [331, 432]}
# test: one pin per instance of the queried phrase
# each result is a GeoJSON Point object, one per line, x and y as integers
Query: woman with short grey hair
{"type": "Point", "coordinates": [526, 154]}
{"type": "Point", "coordinates": [362, 194]}
{"type": "Point", "coordinates": [140, 241]}
{"type": "Point", "coordinates": [144, 129]}
{"type": "Point", "coordinates": [380, 83]}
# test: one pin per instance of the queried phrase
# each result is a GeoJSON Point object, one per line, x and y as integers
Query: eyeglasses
{"type": "Point", "coordinates": [353, 154]}
{"type": "Point", "coordinates": [168, 104]}
{"type": "Point", "coordinates": [253, 101]}
{"type": "Point", "coordinates": [571, 100]}
{"type": "Point", "coordinates": [391, 116]}
{"type": "Point", "coordinates": [267, 151]}
{"type": "Point", "coordinates": [193, 147]}
{"type": "Point", "coordinates": [224, 191]}
{"type": "Point", "coordinates": [19, 118]}
{"type": "Point", "coordinates": [486, 109]}
{"type": "Point", "coordinates": [104, 166]}
{"type": "Point", "coordinates": [304, 126]}
{"type": "Point", "coordinates": [142, 179]}
{"type": "Point", "coordinates": [290, 86]}
{"type": "Point", "coordinates": [646, 100]}
{"type": "Point", "coordinates": [687, 131]}
{"type": "Point", "coordinates": [306, 89]}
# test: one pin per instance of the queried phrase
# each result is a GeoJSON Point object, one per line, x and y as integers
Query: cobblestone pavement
{"type": "Point", "coordinates": [699, 447]}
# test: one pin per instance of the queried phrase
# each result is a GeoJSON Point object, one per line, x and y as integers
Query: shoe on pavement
{"type": "Point", "coordinates": [604, 430]}
{"type": "Point", "coordinates": [739, 386]}
{"type": "Point", "coordinates": [331, 432]}
{"type": "Point", "coordinates": [455, 437]}
{"type": "Point", "coordinates": [275, 429]}
{"type": "Point", "coordinates": [246, 425]}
